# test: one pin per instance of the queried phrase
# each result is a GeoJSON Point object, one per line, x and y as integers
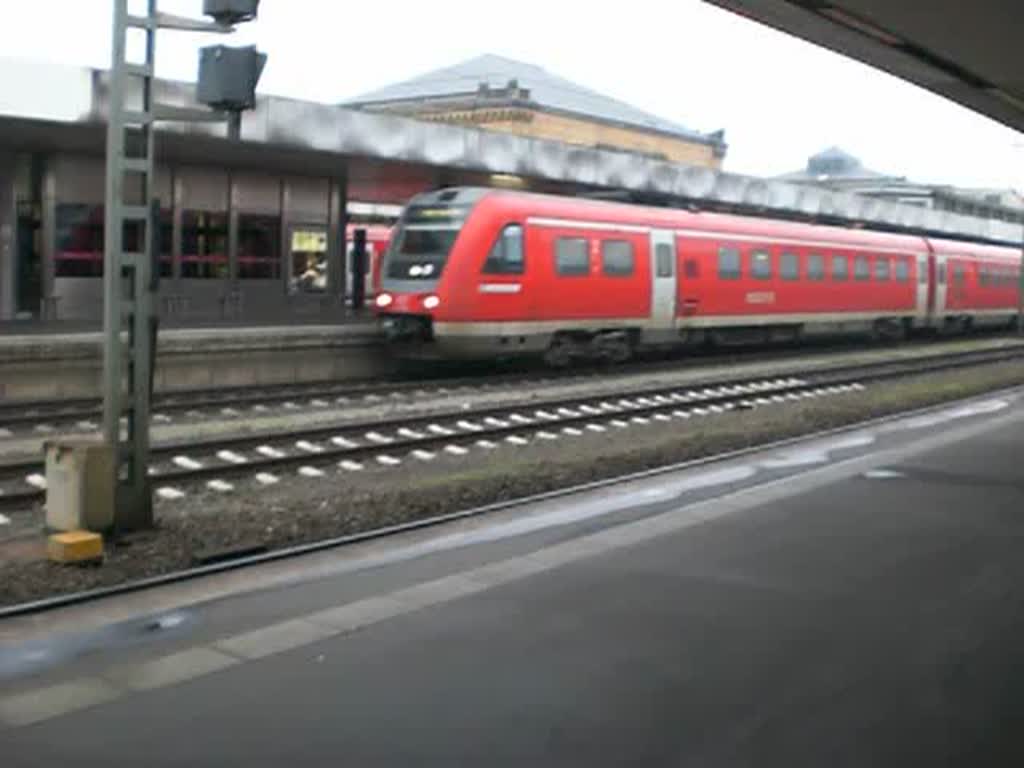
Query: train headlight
{"type": "Point", "coordinates": [384, 300]}
{"type": "Point", "coordinates": [431, 302]}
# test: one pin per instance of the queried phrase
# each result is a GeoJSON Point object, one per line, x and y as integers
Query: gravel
{"type": "Point", "coordinates": [300, 509]}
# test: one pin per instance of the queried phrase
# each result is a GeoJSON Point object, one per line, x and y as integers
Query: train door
{"type": "Point", "coordinates": [939, 307]}
{"type": "Point", "coordinates": [924, 295]}
{"type": "Point", "coordinates": [663, 278]}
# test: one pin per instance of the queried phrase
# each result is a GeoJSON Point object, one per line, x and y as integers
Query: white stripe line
{"type": "Point", "coordinates": [270, 453]}
{"type": "Point", "coordinates": [344, 442]}
{"type": "Point", "coordinates": [231, 457]}
{"type": "Point", "coordinates": [265, 478]}
{"type": "Point", "coordinates": [220, 486]}
{"type": "Point", "coordinates": [272, 639]}
{"type": "Point", "coordinates": [187, 463]}
{"type": "Point", "coordinates": [44, 703]}
{"type": "Point", "coordinates": [171, 669]}
{"type": "Point", "coordinates": [350, 466]}
{"type": "Point", "coordinates": [456, 450]}
{"type": "Point", "coordinates": [308, 447]}
{"type": "Point", "coordinates": [311, 472]}
{"type": "Point", "coordinates": [170, 494]}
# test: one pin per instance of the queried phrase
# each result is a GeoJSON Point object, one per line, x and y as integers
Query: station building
{"type": "Point", "coordinates": [508, 96]}
{"type": "Point", "coordinates": [838, 170]}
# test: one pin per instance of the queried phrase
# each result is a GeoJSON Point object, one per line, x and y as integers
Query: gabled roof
{"type": "Point", "coordinates": [546, 91]}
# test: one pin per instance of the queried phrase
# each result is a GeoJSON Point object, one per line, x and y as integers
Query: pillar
{"type": "Point", "coordinates": [337, 225]}
{"type": "Point", "coordinates": [8, 238]}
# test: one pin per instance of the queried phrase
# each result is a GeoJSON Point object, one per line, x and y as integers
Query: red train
{"type": "Point", "coordinates": [488, 273]}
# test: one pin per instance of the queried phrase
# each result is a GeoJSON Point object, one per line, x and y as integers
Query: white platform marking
{"type": "Point", "coordinates": [170, 494]}
{"type": "Point", "coordinates": [517, 440]}
{"type": "Point", "coordinates": [265, 478]}
{"type": "Point", "coordinates": [388, 461]}
{"type": "Point", "coordinates": [308, 447]}
{"type": "Point", "coordinates": [456, 450]}
{"type": "Point", "coordinates": [350, 466]}
{"type": "Point", "coordinates": [424, 455]}
{"type": "Point", "coordinates": [377, 437]}
{"type": "Point", "coordinates": [231, 457]}
{"type": "Point", "coordinates": [187, 463]}
{"type": "Point", "coordinates": [311, 472]}
{"type": "Point", "coordinates": [344, 442]}
{"type": "Point", "coordinates": [270, 453]}
{"type": "Point", "coordinates": [220, 486]}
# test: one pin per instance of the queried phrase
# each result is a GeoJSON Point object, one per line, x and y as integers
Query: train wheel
{"type": "Point", "coordinates": [559, 353]}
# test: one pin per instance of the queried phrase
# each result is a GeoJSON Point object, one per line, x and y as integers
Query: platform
{"type": "Point", "coordinates": [194, 358]}
{"type": "Point", "coordinates": [853, 600]}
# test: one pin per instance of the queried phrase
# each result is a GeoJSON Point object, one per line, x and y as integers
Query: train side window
{"type": "Point", "coordinates": [729, 263]}
{"type": "Point", "coordinates": [840, 269]}
{"type": "Point", "coordinates": [664, 259]}
{"type": "Point", "coordinates": [983, 275]}
{"type": "Point", "coordinates": [861, 268]}
{"type": "Point", "coordinates": [692, 269]}
{"type": "Point", "coordinates": [815, 267]}
{"type": "Point", "coordinates": [922, 271]}
{"type": "Point", "coordinates": [617, 258]}
{"type": "Point", "coordinates": [881, 268]}
{"type": "Point", "coordinates": [942, 274]}
{"type": "Point", "coordinates": [761, 265]}
{"type": "Point", "coordinates": [506, 257]}
{"type": "Point", "coordinates": [958, 274]}
{"type": "Point", "coordinates": [902, 269]}
{"type": "Point", "coordinates": [571, 256]}
{"type": "Point", "coordinates": [789, 268]}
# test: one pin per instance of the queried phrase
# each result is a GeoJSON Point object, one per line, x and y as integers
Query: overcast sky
{"type": "Point", "coordinates": [779, 99]}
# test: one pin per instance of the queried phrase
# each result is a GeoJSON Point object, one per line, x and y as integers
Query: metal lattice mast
{"type": "Point", "coordinates": [128, 298]}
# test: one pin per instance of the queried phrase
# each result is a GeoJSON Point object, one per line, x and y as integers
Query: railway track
{"type": "Point", "coordinates": [43, 417]}
{"type": "Point", "coordinates": [391, 442]}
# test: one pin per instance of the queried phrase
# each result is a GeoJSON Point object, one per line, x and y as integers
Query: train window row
{"type": "Point", "coordinates": [572, 257]}
{"type": "Point", "coordinates": [991, 275]}
{"type": "Point", "coordinates": [759, 266]}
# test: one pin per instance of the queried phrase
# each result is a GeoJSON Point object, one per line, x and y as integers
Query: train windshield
{"type": "Point", "coordinates": [425, 238]}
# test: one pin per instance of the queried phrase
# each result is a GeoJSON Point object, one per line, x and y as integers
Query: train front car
{"type": "Point", "coordinates": [416, 273]}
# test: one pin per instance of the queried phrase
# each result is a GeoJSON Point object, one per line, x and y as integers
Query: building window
{"type": "Point", "coordinates": [617, 258]}
{"type": "Point", "coordinates": [761, 265]}
{"type": "Point", "coordinates": [815, 267]}
{"type": "Point", "coordinates": [204, 245]}
{"type": "Point", "coordinates": [571, 258]}
{"type": "Point", "coordinates": [789, 269]}
{"type": "Point", "coordinates": [881, 268]}
{"type": "Point", "coordinates": [308, 260]}
{"type": "Point", "coordinates": [861, 268]}
{"type": "Point", "coordinates": [665, 259]}
{"type": "Point", "coordinates": [729, 263]}
{"type": "Point", "coordinates": [840, 268]}
{"type": "Point", "coordinates": [79, 240]}
{"type": "Point", "coordinates": [506, 256]}
{"type": "Point", "coordinates": [259, 247]}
